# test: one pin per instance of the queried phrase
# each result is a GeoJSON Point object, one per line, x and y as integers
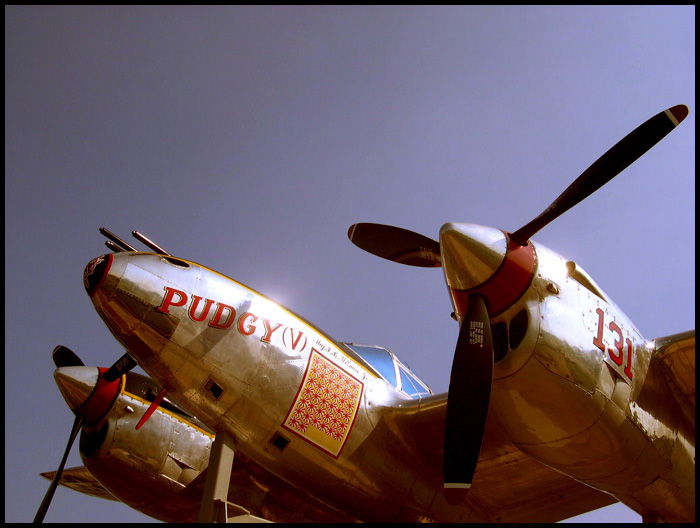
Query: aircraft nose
{"type": "Point", "coordinates": [483, 260]}
{"type": "Point", "coordinates": [95, 272]}
{"type": "Point", "coordinates": [86, 391]}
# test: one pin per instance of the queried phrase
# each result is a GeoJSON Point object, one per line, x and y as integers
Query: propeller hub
{"type": "Point", "coordinates": [484, 260]}
{"type": "Point", "coordinates": [471, 254]}
{"type": "Point", "coordinates": [86, 391]}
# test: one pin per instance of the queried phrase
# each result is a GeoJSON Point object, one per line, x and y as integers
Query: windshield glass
{"type": "Point", "coordinates": [389, 367]}
{"type": "Point", "coordinates": [412, 386]}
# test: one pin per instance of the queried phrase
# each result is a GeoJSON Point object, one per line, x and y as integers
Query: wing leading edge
{"type": "Point", "coordinates": [80, 479]}
{"type": "Point", "coordinates": [675, 360]}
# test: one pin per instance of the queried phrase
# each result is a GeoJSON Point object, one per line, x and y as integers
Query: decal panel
{"type": "Point", "coordinates": [326, 405]}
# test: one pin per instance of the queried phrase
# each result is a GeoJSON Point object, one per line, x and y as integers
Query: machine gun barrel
{"type": "Point", "coordinates": [144, 239]}
{"type": "Point", "coordinates": [118, 241]}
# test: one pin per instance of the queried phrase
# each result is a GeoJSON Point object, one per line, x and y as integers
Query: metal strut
{"type": "Point", "coordinates": [213, 508]}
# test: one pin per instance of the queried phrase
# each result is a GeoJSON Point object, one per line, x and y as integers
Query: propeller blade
{"type": "Point", "coordinates": [123, 365]}
{"type": "Point", "coordinates": [468, 399]}
{"type": "Point", "coordinates": [41, 512]}
{"type": "Point", "coordinates": [396, 244]}
{"type": "Point", "coordinates": [609, 165]}
{"type": "Point", "coordinates": [65, 357]}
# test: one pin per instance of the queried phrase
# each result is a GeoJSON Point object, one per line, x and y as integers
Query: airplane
{"type": "Point", "coordinates": [556, 406]}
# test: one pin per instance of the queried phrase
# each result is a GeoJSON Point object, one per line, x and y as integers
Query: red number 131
{"type": "Point", "coordinates": [617, 352]}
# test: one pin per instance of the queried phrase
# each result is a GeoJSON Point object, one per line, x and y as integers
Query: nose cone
{"type": "Point", "coordinates": [471, 254]}
{"type": "Point", "coordinates": [76, 384]}
{"type": "Point", "coordinates": [483, 260]}
{"type": "Point", "coordinates": [86, 392]}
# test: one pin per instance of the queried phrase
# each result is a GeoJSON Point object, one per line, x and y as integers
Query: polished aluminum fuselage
{"type": "Point", "coordinates": [304, 409]}
{"type": "Point", "coordinates": [573, 396]}
{"type": "Point", "coordinates": [240, 365]}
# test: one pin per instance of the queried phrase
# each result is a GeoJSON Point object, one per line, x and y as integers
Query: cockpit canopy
{"type": "Point", "coordinates": [391, 368]}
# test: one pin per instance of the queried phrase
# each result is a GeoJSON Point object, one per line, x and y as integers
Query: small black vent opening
{"type": "Point", "coordinates": [518, 329]}
{"type": "Point", "coordinates": [499, 337]}
{"type": "Point", "coordinates": [279, 441]}
{"type": "Point", "coordinates": [214, 389]}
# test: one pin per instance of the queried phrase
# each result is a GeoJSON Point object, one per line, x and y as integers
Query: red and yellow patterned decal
{"type": "Point", "coordinates": [326, 405]}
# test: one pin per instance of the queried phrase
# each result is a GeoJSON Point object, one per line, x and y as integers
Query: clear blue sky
{"type": "Point", "coordinates": [250, 138]}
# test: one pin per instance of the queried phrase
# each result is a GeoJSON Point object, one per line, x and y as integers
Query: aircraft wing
{"type": "Point", "coordinates": [80, 479]}
{"type": "Point", "coordinates": [674, 360]}
{"type": "Point", "coordinates": [508, 486]}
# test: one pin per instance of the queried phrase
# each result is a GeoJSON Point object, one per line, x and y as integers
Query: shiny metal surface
{"type": "Point", "coordinates": [160, 469]}
{"type": "Point", "coordinates": [483, 260]}
{"type": "Point", "coordinates": [245, 364]}
{"type": "Point", "coordinates": [575, 407]}
{"type": "Point", "coordinates": [473, 252]}
{"type": "Point", "coordinates": [567, 394]}
{"type": "Point", "coordinates": [301, 408]}
{"type": "Point", "coordinates": [76, 384]}
{"type": "Point", "coordinates": [237, 360]}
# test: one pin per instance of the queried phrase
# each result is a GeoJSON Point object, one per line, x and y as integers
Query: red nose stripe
{"type": "Point", "coordinates": [507, 285]}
